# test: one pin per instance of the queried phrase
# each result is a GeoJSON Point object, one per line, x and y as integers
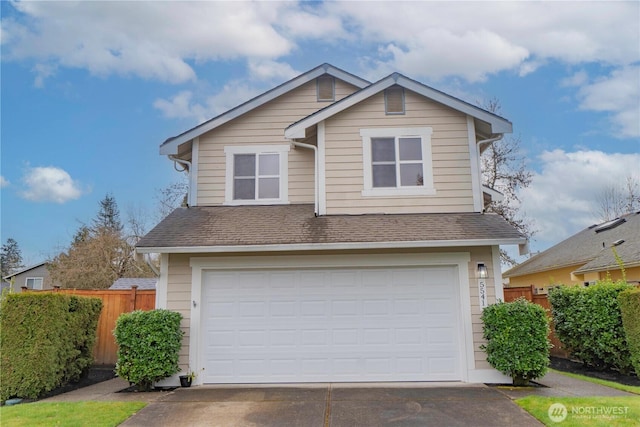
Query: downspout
{"type": "Point", "coordinates": [186, 168]}
{"type": "Point", "coordinates": [147, 259]}
{"type": "Point", "coordinates": [315, 155]}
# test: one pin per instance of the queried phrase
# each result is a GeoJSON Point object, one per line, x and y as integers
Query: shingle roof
{"type": "Point", "coordinates": [234, 226]}
{"type": "Point", "coordinates": [589, 250]}
{"type": "Point", "coordinates": [127, 282]}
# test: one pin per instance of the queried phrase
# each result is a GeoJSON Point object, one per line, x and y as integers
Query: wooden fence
{"type": "Point", "coordinates": [511, 294]}
{"type": "Point", "coordinates": [114, 303]}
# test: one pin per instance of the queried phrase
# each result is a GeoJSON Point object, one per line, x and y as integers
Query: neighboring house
{"type": "Point", "coordinates": [143, 284]}
{"type": "Point", "coordinates": [334, 232]}
{"type": "Point", "coordinates": [35, 277]}
{"type": "Point", "coordinates": [585, 257]}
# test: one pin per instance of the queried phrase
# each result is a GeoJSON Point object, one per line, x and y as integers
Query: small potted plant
{"type": "Point", "coordinates": [185, 380]}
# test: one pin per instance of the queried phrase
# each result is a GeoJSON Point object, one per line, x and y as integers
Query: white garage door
{"type": "Point", "coordinates": [392, 324]}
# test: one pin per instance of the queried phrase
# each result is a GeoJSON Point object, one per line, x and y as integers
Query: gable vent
{"type": "Point", "coordinates": [394, 100]}
{"type": "Point", "coordinates": [609, 224]}
{"type": "Point", "coordinates": [325, 86]}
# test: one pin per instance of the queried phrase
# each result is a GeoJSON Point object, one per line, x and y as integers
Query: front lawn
{"type": "Point", "coordinates": [68, 414]}
{"type": "Point", "coordinates": [583, 411]}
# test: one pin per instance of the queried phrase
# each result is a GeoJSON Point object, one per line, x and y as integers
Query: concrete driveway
{"type": "Point", "coordinates": [335, 406]}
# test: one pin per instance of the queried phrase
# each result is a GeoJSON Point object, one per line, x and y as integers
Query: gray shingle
{"type": "Point", "coordinates": [297, 224]}
{"type": "Point", "coordinates": [127, 282]}
{"type": "Point", "coordinates": [588, 249]}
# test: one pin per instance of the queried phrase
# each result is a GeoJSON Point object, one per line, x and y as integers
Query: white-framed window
{"type": "Point", "coordinates": [397, 162]}
{"type": "Point", "coordinates": [256, 174]}
{"type": "Point", "coordinates": [34, 282]}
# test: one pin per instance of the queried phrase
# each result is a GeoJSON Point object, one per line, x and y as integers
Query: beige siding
{"type": "Point", "coordinates": [179, 293]}
{"type": "Point", "coordinates": [179, 299]}
{"type": "Point", "coordinates": [263, 125]}
{"type": "Point", "coordinates": [450, 155]}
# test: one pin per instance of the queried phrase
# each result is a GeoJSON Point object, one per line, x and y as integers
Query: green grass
{"type": "Point", "coordinates": [68, 414]}
{"type": "Point", "coordinates": [612, 384]}
{"type": "Point", "coordinates": [585, 411]}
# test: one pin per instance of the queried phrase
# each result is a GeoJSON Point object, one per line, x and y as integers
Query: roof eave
{"type": "Point", "coordinates": [333, 246]}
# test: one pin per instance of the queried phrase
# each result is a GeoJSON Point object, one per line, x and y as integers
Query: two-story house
{"type": "Point", "coordinates": [335, 232]}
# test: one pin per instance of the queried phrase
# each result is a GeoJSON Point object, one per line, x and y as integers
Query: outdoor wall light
{"type": "Point", "coordinates": [483, 273]}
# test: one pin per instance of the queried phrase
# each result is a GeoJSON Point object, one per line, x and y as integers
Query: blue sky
{"type": "Point", "coordinates": [91, 89]}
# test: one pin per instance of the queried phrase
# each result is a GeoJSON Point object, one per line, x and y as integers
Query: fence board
{"type": "Point", "coordinates": [114, 303]}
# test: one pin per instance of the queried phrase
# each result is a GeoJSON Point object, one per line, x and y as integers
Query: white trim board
{"type": "Point", "coordinates": [332, 246]}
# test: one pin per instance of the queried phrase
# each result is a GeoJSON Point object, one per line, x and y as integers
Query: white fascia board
{"type": "Point", "coordinates": [498, 124]}
{"type": "Point", "coordinates": [171, 147]}
{"type": "Point", "coordinates": [297, 130]}
{"type": "Point", "coordinates": [332, 246]}
{"type": "Point", "coordinates": [495, 195]}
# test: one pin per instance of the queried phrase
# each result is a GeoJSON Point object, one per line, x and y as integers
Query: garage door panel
{"type": "Point", "coordinates": [330, 325]}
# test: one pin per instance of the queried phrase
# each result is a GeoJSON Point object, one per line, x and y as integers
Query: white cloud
{"type": "Point", "coordinates": [562, 197]}
{"type": "Point", "coordinates": [183, 105]}
{"type": "Point", "coordinates": [618, 94]}
{"type": "Point", "coordinates": [473, 39]}
{"type": "Point", "coordinates": [153, 40]}
{"type": "Point", "coordinates": [576, 79]}
{"type": "Point", "coordinates": [50, 184]}
{"type": "Point", "coordinates": [3, 182]}
{"type": "Point", "coordinates": [159, 40]}
{"type": "Point", "coordinates": [271, 70]}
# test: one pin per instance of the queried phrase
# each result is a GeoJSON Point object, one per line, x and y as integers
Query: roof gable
{"type": "Point", "coordinates": [589, 249]}
{"type": "Point", "coordinates": [24, 270]}
{"type": "Point", "coordinates": [496, 123]}
{"type": "Point", "coordinates": [170, 146]}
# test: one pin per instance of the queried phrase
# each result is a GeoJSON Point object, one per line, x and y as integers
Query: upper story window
{"type": "Point", "coordinates": [394, 100]}
{"type": "Point", "coordinates": [256, 174]}
{"type": "Point", "coordinates": [397, 161]}
{"type": "Point", "coordinates": [34, 282]}
{"type": "Point", "coordinates": [326, 88]}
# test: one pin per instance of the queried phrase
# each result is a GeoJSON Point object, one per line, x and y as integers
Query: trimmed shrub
{"type": "Point", "coordinates": [630, 310]}
{"type": "Point", "coordinates": [517, 339]}
{"type": "Point", "coordinates": [47, 340]}
{"type": "Point", "coordinates": [149, 343]}
{"type": "Point", "coordinates": [589, 324]}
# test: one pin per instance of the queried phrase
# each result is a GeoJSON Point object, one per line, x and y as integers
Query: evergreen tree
{"type": "Point", "coordinates": [10, 258]}
{"type": "Point", "coordinates": [108, 217]}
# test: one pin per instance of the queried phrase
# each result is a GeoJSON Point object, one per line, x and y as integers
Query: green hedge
{"type": "Point", "coordinates": [589, 324]}
{"type": "Point", "coordinates": [630, 310]}
{"type": "Point", "coordinates": [517, 339]}
{"type": "Point", "coordinates": [149, 343]}
{"type": "Point", "coordinates": [47, 340]}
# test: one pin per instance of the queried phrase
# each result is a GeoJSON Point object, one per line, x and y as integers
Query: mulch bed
{"type": "Point", "coordinates": [566, 365]}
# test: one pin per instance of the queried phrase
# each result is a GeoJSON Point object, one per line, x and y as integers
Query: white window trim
{"type": "Point", "coordinates": [282, 150]}
{"type": "Point", "coordinates": [26, 282]}
{"type": "Point", "coordinates": [427, 189]}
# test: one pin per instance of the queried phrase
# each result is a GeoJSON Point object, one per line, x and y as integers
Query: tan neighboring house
{"type": "Point", "coordinates": [585, 257]}
{"type": "Point", "coordinates": [35, 277]}
{"type": "Point", "coordinates": [334, 232]}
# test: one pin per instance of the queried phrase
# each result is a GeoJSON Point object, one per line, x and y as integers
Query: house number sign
{"type": "Point", "coordinates": [482, 292]}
